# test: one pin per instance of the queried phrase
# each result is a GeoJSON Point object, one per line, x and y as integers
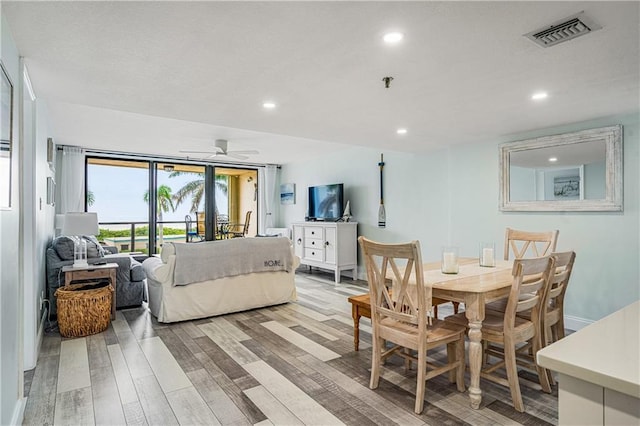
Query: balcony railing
{"type": "Point", "coordinates": [133, 242]}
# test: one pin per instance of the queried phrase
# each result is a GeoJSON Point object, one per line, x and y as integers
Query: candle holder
{"type": "Point", "coordinates": [450, 260]}
{"type": "Point", "coordinates": [487, 254]}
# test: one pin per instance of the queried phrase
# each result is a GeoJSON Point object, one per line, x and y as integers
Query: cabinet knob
{"type": "Point", "coordinates": [313, 253]}
{"type": "Point", "coordinates": [313, 243]}
{"type": "Point", "coordinates": [313, 232]}
{"type": "Point", "coordinates": [326, 243]}
{"type": "Point", "coordinates": [299, 241]}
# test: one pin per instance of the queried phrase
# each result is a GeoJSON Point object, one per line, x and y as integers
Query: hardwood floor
{"type": "Point", "coordinates": [290, 364]}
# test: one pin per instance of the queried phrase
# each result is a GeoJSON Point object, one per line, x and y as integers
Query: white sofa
{"type": "Point", "coordinates": [210, 293]}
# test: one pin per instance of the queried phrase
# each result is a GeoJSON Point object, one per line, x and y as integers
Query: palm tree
{"type": "Point", "coordinates": [164, 204]}
{"type": "Point", "coordinates": [91, 198]}
{"type": "Point", "coordinates": [195, 189]}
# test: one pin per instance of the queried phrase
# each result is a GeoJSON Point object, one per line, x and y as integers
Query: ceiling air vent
{"type": "Point", "coordinates": [564, 30]}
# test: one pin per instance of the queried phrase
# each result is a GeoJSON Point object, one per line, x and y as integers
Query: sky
{"type": "Point", "coordinates": [119, 194]}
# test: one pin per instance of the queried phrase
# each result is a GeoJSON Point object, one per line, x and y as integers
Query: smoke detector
{"type": "Point", "coordinates": [563, 30]}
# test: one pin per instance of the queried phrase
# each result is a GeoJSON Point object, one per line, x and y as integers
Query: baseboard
{"type": "Point", "coordinates": [30, 364]}
{"type": "Point", "coordinates": [18, 412]}
{"type": "Point", "coordinates": [41, 327]}
{"type": "Point", "coordinates": [575, 323]}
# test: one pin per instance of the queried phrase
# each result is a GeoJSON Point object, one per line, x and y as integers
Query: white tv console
{"type": "Point", "coordinates": [327, 245]}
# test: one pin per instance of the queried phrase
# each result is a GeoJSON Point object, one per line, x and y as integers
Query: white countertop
{"type": "Point", "coordinates": [606, 353]}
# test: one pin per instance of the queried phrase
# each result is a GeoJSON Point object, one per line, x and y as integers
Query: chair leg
{"type": "Point", "coordinates": [407, 360]}
{"type": "Point", "coordinates": [376, 352]}
{"type": "Point", "coordinates": [452, 356]}
{"type": "Point", "coordinates": [461, 365]}
{"type": "Point", "coordinates": [512, 375]}
{"type": "Point", "coordinates": [554, 332]}
{"type": "Point", "coordinates": [421, 384]}
{"type": "Point", "coordinates": [435, 311]}
{"type": "Point", "coordinates": [456, 306]}
{"type": "Point", "coordinates": [485, 357]}
{"type": "Point", "coordinates": [560, 327]}
{"type": "Point", "coordinates": [543, 373]}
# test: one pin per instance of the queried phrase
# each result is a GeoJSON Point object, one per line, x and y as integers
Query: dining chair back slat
{"type": "Point", "coordinates": [529, 244]}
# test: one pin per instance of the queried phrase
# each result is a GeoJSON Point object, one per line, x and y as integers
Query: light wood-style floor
{"type": "Point", "coordinates": [290, 364]}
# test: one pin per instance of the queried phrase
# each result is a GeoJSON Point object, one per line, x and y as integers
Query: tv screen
{"type": "Point", "coordinates": [325, 202]}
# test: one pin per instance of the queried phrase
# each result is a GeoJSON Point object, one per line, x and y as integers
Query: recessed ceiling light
{"type": "Point", "coordinates": [553, 159]}
{"type": "Point", "coordinates": [269, 105]}
{"type": "Point", "coordinates": [401, 131]}
{"type": "Point", "coordinates": [538, 96]}
{"type": "Point", "coordinates": [393, 37]}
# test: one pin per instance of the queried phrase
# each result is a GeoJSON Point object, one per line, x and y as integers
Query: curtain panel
{"type": "Point", "coordinates": [71, 180]}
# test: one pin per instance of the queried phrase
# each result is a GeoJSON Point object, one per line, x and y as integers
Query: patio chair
{"type": "Point", "coordinates": [235, 230]}
{"type": "Point", "coordinates": [191, 233]}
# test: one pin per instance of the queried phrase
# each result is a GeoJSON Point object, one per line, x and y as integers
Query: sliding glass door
{"type": "Point", "coordinates": [189, 202]}
{"type": "Point", "coordinates": [238, 203]}
{"type": "Point", "coordinates": [180, 201]}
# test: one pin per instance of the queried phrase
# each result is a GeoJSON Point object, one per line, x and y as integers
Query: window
{"type": "Point", "coordinates": [116, 190]}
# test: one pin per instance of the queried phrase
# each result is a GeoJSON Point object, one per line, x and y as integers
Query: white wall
{"type": "Point", "coordinates": [25, 230]}
{"type": "Point", "coordinates": [11, 406]}
{"type": "Point", "coordinates": [37, 225]}
{"type": "Point", "coordinates": [451, 197]}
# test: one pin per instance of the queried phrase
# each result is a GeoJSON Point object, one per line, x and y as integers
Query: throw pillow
{"type": "Point", "coordinates": [63, 245]}
{"type": "Point", "coordinates": [94, 248]}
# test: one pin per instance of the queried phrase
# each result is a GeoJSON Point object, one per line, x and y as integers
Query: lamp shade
{"type": "Point", "coordinates": [80, 223]}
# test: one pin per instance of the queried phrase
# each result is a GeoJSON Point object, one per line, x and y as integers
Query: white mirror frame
{"type": "Point", "coordinates": [612, 137]}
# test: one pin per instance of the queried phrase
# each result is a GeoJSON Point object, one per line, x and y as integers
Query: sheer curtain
{"type": "Point", "coordinates": [268, 180]}
{"type": "Point", "coordinates": [71, 180]}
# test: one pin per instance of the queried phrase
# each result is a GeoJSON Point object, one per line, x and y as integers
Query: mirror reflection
{"type": "Point", "coordinates": [569, 172]}
{"type": "Point", "coordinates": [580, 171]}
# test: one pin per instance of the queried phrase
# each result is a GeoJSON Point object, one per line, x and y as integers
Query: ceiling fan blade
{"type": "Point", "coordinates": [249, 152]}
{"type": "Point", "coordinates": [197, 152]}
{"type": "Point", "coordinates": [234, 154]}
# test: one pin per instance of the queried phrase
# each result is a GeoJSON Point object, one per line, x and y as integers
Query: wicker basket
{"type": "Point", "coordinates": [83, 310]}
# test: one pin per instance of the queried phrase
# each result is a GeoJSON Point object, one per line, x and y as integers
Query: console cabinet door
{"type": "Point", "coordinates": [298, 240]}
{"type": "Point", "coordinates": [330, 245]}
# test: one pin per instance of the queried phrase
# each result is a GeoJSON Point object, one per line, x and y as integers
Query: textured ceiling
{"type": "Point", "coordinates": [158, 77]}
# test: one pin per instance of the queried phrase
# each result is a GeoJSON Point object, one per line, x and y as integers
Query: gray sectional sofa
{"type": "Point", "coordinates": [130, 277]}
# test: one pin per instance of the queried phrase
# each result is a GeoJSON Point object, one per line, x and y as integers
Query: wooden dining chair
{"type": "Point", "coordinates": [554, 316]}
{"type": "Point", "coordinates": [553, 319]}
{"type": "Point", "coordinates": [529, 244]}
{"type": "Point", "coordinates": [552, 310]}
{"type": "Point", "coordinates": [404, 320]}
{"type": "Point", "coordinates": [504, 333]}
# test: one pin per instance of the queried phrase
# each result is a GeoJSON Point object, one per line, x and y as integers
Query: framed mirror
{"type": "Point", "coordinates": [6, 133]}
{"type": "Point", "coordinates": [580, 171]}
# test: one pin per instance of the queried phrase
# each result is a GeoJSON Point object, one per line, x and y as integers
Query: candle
{"type": "Point", "coordinates": [487, 257]}
{"type": "Point", "coordinates": [449, 263]}
{"type": "Point", "coordinates": [487, 254]}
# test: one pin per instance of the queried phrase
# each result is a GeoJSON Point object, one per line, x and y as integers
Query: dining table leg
{"type": "Point", "coordinates": [474, 311]}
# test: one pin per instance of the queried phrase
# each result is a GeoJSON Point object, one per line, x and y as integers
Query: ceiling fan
{"type": "Point", "coordinates": [220, 150]}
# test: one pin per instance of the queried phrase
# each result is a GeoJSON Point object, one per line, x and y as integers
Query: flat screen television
{"type": "Point", "coordinates": [326, 202]}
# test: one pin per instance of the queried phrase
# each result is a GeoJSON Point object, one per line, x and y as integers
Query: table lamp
{"type": "Point", "coordinates": [59, 223]}
{"type": "Point", "coordinates": [77, 224]}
